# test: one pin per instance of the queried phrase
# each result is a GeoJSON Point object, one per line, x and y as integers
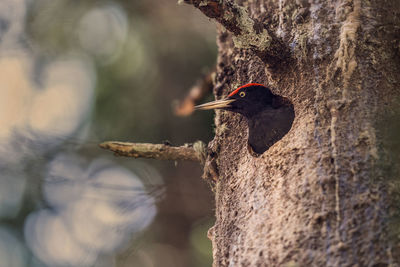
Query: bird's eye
{"type": "Point", "coordinates": [242, 94]}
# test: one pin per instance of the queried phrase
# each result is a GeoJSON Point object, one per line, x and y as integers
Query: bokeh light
{"type": "Point", "coordinates": [91, 212]}
{"type": "Point", "coordinates": [103, 31]}
{"type": "Point", "coordinates": [73, 74]}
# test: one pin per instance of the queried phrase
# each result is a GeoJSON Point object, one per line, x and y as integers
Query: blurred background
{"type": "Point", "coordinates": [72, 75]}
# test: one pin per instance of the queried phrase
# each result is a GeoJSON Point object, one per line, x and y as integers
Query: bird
{"type": "Point", "coordinates": [269, 116]}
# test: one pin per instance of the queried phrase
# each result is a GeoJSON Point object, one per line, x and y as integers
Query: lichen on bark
{"type": "Point", "coordinates": [319, 196]}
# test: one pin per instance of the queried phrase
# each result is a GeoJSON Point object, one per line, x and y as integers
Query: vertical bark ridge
{"type": "Point", "coordinates": [317, 197]}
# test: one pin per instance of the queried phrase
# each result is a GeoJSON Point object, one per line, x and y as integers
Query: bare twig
{"type": "Point", "coordinates": [247, 32]}
{"type": "Point", "coordinates": [191, 152]}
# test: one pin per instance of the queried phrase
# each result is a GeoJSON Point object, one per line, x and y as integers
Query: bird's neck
{"type": "Point", "coordinates": [254, 114]}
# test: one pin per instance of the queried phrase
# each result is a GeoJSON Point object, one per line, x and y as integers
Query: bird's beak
{"type": "Point", "coordinates": [223, 103]}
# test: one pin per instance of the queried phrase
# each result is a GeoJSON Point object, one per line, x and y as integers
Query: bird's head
{"type": "Point", "coordinates": [247, 100]}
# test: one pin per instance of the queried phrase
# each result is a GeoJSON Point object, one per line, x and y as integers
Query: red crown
{"type": "Point", "coordinates": [244, 86]}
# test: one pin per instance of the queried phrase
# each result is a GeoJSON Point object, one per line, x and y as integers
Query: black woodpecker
{"type": "Point", "coordinates": [269, 117]}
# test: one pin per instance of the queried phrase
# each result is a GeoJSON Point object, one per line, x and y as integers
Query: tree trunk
{"type": "Point", "coordinates": [320, 195]}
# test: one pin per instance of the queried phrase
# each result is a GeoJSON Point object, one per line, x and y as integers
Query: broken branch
{"type": "Point", "coordinates": [247, 33]}
{"type": "Point", "coordinates": [197, 92]}
{"type": "Point", "coordinates": [191, 152]}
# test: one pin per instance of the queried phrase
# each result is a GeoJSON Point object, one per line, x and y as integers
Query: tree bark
{"type": "Point", "coordinates": [320, 196]}
{"type": "Point", "coordinates": [191, 152]}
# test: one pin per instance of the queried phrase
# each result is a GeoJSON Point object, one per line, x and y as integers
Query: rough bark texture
{"type": "Point", "coordinates": [319, 196]}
